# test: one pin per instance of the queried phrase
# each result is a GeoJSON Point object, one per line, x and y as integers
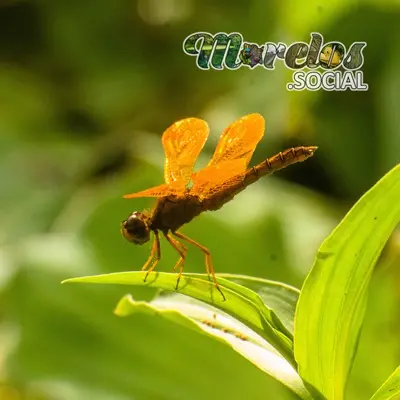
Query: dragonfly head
{"type": "Point", "coordinates": [135, 228]}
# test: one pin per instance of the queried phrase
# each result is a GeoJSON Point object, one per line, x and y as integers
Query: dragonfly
{"type": "Point", "coordinates": [186, 194]}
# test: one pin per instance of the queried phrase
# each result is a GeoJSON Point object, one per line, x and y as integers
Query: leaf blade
{"type": "Point", "coordinates": [241, 303]}
{"type": "Point", "coordinates": [332, 302]}
{"type": "Point", "coordinates": [390, 389]}
{"type": "Point", "coordinates": [203, 319]}
{"type": "Point", "coordinates": [278, 296]}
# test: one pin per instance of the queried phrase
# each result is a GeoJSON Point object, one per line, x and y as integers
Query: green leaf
{"type": "Point", "coordinates": [151, 358]}
{"type": "Point", "coordinates": [390, 390]}
{"type": "Point", "coordinates": [241, 303]}
{"type": "Point", "coordinates": [332, 302]}
{"type": "Point", "coordinates": [206, 319]}
{"type": "Point", "coordinates": [267, 312]}
{"type": "Point", "coordinates": [277, 296]}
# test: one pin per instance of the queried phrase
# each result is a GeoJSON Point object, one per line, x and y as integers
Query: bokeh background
{"type": "Point", "coordinates": [86, 90]}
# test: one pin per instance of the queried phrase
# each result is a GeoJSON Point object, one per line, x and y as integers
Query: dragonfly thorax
{"type": "Point", "coordinates": [172, 212]}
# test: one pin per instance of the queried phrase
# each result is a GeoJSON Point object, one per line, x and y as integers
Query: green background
{"type": "Point", "coordinates": [86, 90]}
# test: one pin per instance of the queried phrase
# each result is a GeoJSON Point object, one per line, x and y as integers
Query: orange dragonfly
{"type": "Point", "coordinates": [185, 194]}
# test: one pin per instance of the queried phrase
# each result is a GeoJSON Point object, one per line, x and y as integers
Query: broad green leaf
{"type": "Point", "coordinates": [277, 296]}
{"type": "Point", "coordinates": [241, 303]}
{"type": "Point", "coordinates": [151, 358]}
{"type": "Point", "coordinates": [390, 390]}
{"type": "Point", "coordinates": [332, 302]}
{"type": "Point", "coordinates": [264, 309]}
{"type": "Point", "coordinates": [206, 319]}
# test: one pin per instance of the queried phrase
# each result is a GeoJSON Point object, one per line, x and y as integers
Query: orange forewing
{"type": "Point", "coordinates": [163, 190]}
{"type": "Point", "coordinates": [239, 140]}
{"type": "Point", "coordinates": [182, 144]}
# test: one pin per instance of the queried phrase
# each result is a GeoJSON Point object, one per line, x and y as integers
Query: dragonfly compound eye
{"type": "Point", "coordinates": [135, 229]}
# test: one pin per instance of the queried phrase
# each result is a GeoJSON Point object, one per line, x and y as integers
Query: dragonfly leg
{"type": "Point", "coordinates": [154, 256]}
{"type": "Point", "coordinates": [182, 250]}
{"type": "Point", "coordinates": [209, 264]}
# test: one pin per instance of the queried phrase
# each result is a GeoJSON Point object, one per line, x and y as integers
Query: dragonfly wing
{"type": "Point", "coordinates": [163, 190]}
{"type": "Point", "coordinates": [239, 140]}
{"type": "Point", "coordinates": [215, 179]}
{"type": "Point", "coordinates": [182, 144]}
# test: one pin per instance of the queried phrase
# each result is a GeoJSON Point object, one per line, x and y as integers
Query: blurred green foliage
{"type": "Point", "coordinates": [86, 89]}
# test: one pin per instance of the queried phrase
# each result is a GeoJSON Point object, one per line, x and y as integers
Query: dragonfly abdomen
{"type": "Point", "coordinates": [266, 167]}
{"type": "Point", "coordinates": [279, 161]}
